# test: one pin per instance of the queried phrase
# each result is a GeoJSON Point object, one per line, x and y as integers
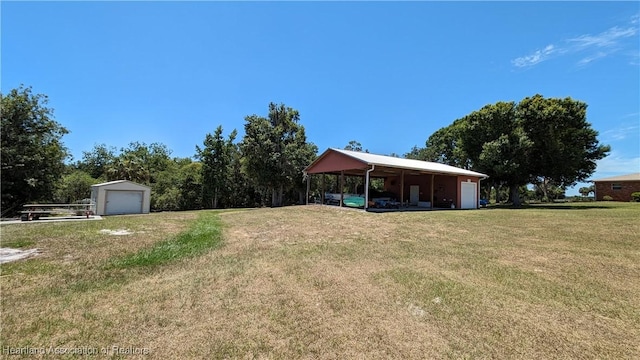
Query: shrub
{"type": "Point", "coordinates": [635, 196]}
{"type": "Point", "coordinates": [580, 199]}
{"type": "Point", "coordinates": [607, 198]}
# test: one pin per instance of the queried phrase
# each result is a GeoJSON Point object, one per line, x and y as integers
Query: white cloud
{"type": "Point", "coordinates": [590, 58]}
{"type": "Point", "coordinates": [537, 57]}
{"type": "Point", "coordinates": [604, 44]}
{"type": "Point", "coordinates": [616, 164]}
{"type": "Point", "coordinates": [621, 132]}
{"type": "Point", "coordinates": [608, 38]}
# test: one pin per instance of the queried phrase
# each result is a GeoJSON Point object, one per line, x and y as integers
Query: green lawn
{"type": "Point", "coordinates": [556, 281]}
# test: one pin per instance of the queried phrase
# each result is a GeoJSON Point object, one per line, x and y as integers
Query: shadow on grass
{"type": "Point", "coordinates": [564, 206]}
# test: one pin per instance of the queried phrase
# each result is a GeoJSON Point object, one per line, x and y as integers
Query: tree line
{"type": "Point", "coordinates": [264, 168]}
{"type": "Point", "coordinates": [540, 141]}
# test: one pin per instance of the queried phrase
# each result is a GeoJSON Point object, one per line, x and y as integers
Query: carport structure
{"type": "Point", "coordinates": [416, 183]}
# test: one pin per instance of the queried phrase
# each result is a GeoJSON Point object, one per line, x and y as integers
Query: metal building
{"type": "Point", "coordinates": [121, 197]}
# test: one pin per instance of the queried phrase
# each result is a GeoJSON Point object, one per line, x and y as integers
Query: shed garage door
{"type": "Point", "coordinates": [123, 202]}
{"type": "Point", "coordinates": [469, 195]}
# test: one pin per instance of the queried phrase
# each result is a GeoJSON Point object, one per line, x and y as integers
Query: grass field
{"type": "Point", "coordinates": [546, 282]}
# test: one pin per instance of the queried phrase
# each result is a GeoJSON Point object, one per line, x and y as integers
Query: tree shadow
{"type": "Point", "coordinates": [565, 206]}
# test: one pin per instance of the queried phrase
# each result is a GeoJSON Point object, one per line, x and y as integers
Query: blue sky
{"type": "Point", "coordinates": [387, 74]}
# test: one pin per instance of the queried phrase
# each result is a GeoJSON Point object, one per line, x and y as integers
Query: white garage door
{"type": "Point", "coordinates": [123, 202]}
{"type": "Point", "coordinates": [469, 195]}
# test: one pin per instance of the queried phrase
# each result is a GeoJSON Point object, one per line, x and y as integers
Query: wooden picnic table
{"type": "Point", "coordinates": [35, 211]}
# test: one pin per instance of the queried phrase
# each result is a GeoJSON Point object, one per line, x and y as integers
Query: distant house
{"type": "Point", "coordinates": [618, 187]}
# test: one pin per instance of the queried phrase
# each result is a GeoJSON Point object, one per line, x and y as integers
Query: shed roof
{"type": "Point", "coordinates": [115, 182]}
{"type": "Point", "coordinates": [628, 177]}
{"type": "Point", "coordinates": [393, 162]}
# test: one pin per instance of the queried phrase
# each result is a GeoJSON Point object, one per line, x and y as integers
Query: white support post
{"type": "Point", "coordinates": [322, 199]}
{"type": "Point", "coordinates": [341, 187]}
{"type": "Point", "coordinates": [366, 187]}
{"type": "Point", "coordinates": [402, 188]}
{"type": "Point", "coordinates": [433, 178]}
{"type": "Point", "coordinates": [306, 201]}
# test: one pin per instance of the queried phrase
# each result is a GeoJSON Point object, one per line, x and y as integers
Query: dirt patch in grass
{"type": "Point", "coordinates": [9, 255]}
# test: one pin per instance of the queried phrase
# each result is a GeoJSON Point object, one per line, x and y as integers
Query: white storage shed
{"type": "Point", "coordinates": [121, 197]}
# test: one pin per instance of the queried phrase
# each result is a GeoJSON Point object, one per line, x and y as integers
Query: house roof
{"type": "Point", "coordinates": [628, 177]}
{"type": "Point", "coordinates": [119, 182]}
{"type": "Point", "coordinates": [399, 163]}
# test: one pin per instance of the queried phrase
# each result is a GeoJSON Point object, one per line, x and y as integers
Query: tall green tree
{"type": "Point", "coordinates": [508, 156]}
{"type": "Point", "coordinates": [548, 192]}
{"type": "Point", "coordinates": [546, 142]}
{"type": "Point", "coordinates": [443, 146]}
{"type": "Point", "coordinates": [354, 145]}
{"type": "Point", "coordinates": [494, 143]}
{"type": "Point", "coordinates": [178, 187]}
{"type": "Point", "coordinates": [165, 194]}
{"type": "Point", "coordinates": [242, 190]}
{"type": "Point", "coordinates": [416, 153]}
{"type": "Point", "coordinates": [74, 186]}
{"type": "Point", "coordinates": [153, 158]}
{"type": "Point", "coordinates": [276, 151]}
{"type": "Point", "coordinates": [31, 148]}
{"type": "Point", "coordinates": [96, 161]}
{"type": "Point", "coordinates": [129, 167]}
{"type": "Point", "coordinates": [190, 186]}
{"type": "Point", "coordinates": [354, 184]}
{"type": "Point", "coordinates": [586, 190]}
{"type": "Point", "coordinates": [216, 156]}
{"type": "Point", "coordinates": [300, 153]}
{"type": "Point", "coordinates": [564, 146]}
